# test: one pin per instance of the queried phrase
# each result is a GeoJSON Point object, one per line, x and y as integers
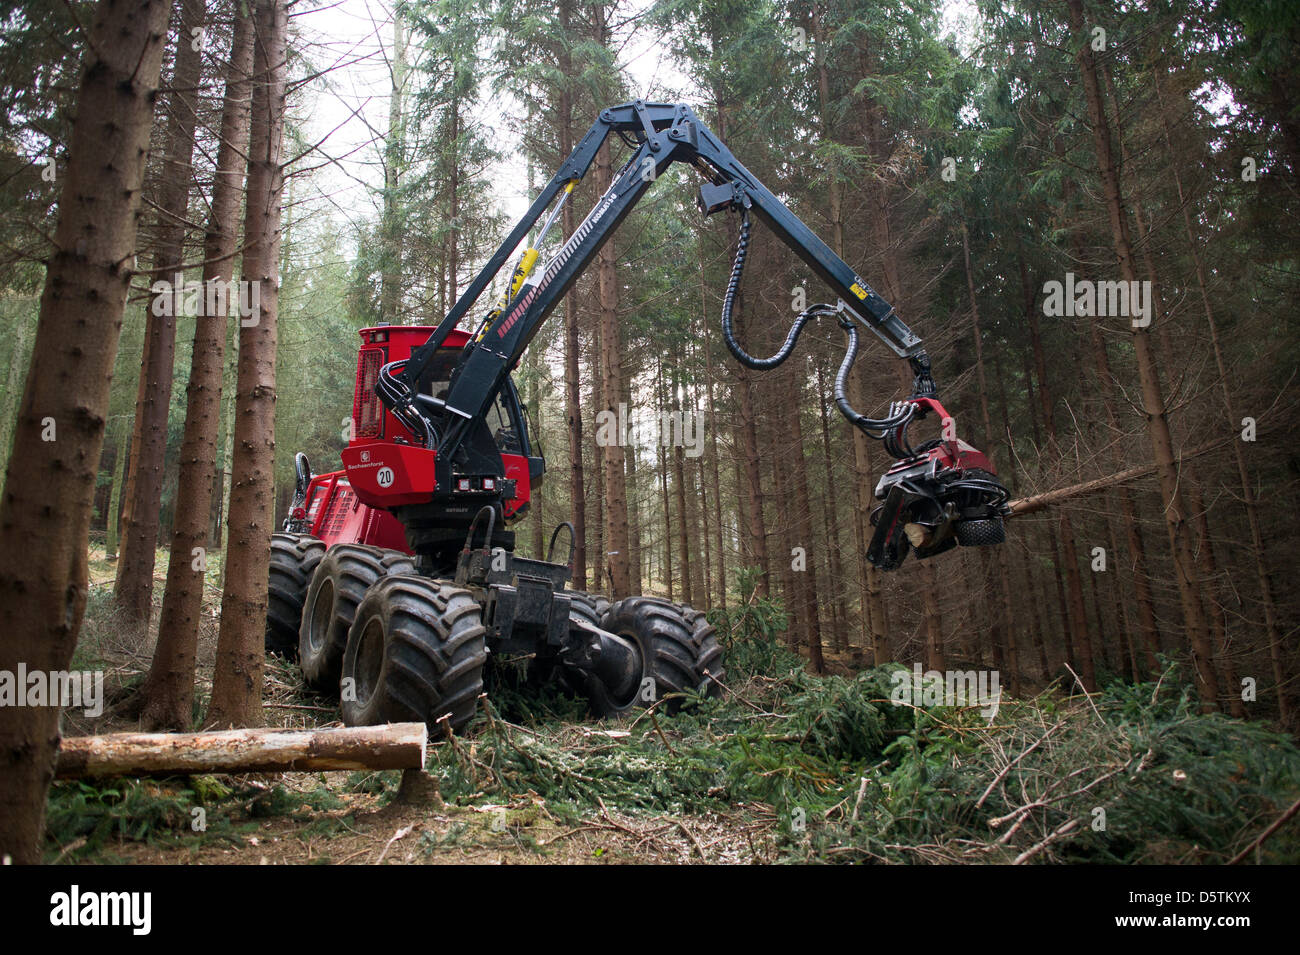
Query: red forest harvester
{"type": "Point", "coordinates": [396, 577]}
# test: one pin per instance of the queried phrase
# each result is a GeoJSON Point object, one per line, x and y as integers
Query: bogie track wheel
{"type": "Point", "coordinates": [337, 589]}
{"type": "Point", "coordinates": [294, 558]}
{"type": "Point", "coordinates": [416, 652]}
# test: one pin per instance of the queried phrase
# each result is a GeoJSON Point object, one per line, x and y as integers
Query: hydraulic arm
{"type": "Point", "coordinates": [939, 494]}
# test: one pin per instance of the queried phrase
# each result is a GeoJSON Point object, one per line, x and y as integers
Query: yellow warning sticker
{"type": "Point", "coordinates": [859, 291]}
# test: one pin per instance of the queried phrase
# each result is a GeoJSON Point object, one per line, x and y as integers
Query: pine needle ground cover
{"type": "Point", "coordinates": [841, 773]}
{"type": "Point", "coordinates": [786, 767]}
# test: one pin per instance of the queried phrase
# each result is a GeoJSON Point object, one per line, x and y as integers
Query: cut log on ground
{"type": "Point", "coordinates": [394, 746]}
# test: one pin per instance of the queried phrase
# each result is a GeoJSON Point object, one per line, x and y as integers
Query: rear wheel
{"type": "Point", "coordinates": [416, 652]}
{"type": "Point", "coordinates": [294, 558]}
{"type": "Point", "coordinates": [337, 589]}
{"type": "Point", "coordinates": [679, 647]}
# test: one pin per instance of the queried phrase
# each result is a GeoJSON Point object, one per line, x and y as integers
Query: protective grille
{"type": "Point", "coordinates": [367, 411]}
{"type": "Point", "coordinates": [340, 504]}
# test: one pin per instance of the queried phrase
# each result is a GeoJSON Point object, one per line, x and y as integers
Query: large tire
{"type": "Point", "coordinates": [416, 652]}
{"type": "Point", "coordinates": [678, 644]}
{"type": "Point", "coordinates": [337, 589]}
{"type": "Point", "coordinates": [293, 561]}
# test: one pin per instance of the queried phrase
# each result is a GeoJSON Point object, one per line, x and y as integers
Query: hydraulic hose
{"type": "Point", "coordinates": [879, 428]}
{"type": "Point", "coordinates": [900, 413]}
{"type": "Point", "coordinates": [729, 301]}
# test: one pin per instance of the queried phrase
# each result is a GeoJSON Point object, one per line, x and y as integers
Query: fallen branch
{"type": "Point", "coordinates": [1259, 840]}
{"type": "Point", "coordinates": [394, 746]}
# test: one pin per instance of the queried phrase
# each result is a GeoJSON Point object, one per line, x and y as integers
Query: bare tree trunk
{"type": "Point", "coordinates": [679, 478]}
{"type": "Point", "coordinates": [1272, 628]}
{"type": "Point", "coordinates": [1079, 641]}
{"type": "Point", "coordinates": [133, 589]}
{"type": "Point", "coordinates": [616, 557]}
{"type": "Point", "coordinates": [121, 431]}
{"type": "Point", "coordinates": [390, 279]}
{"type": "Point", "coordinates": [572, 385]}
{"type": "Point", "coordinates": [834, 567]}
{"type": "Point", "coordinates": [168, 691]}
{"type": "Point", "coordinates": [1175, 510]}
{"type": "Point", "coordinates": [1004, 639]}
{"type": "Point", "coordinates": [663, 480]}
{"type": "Point", "coordinates": [599, 566]}
{"type": "Point", "coordinates": [716, 476]}
{"type": "Point", "coordinates": [237, 680]}
{"type": "Point", "coordinates": [50, 482]}
{"type": "Point", "coordinates": [630, 468]}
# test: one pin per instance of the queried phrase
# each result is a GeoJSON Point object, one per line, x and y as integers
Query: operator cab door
{"type": "Point", "coordinates": [504, 425]}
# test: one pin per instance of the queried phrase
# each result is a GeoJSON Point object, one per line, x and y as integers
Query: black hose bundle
{"type": "Point", "coordinates": [878, 428]}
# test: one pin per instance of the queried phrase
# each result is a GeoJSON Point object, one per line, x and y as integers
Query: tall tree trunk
{"type": "Point", "coordinates": [390, 278]}
{"type": "Point", "coordinates": [535, 500]}
{"type": "Point", "coordinates": [50, 484]}
{"type": "Point", "coordinates": [133, 589]}
{"type": "Point", "coordinates": [1004, 639]}
{"type": "Point", "coordinates": [834, 567]}
{"type": "Point", "coordinates": [616, 557]}
{"type": "Point", "coordinates": [663, 483]}
{"type": "Point", "coordinates": [1079, 641]}
{"type": "Point", "coordinates": [712, 424]}
{"type": "Point", "coordinates": [121, 430]}
{"type": "Point", "coordinates": [599, 567]}
{"type": "Point", "coordinates": [1272, 628]}
{"type": "Point", "coordinates": [237, 680]}
{"type": "Point", "coordinates": [679, 480]}
{"type": "Point", "coordinates": [168, 691]}
{"type": "Point", "coordinates": [572, 384]}
{"type": "Point", "coordinates": [630, 468]}
{"type": "Point", "coordinates": [1175, 510]}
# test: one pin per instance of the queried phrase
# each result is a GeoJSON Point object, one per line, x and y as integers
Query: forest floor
{"type": "Point", "coordinates": [788, 766]}
{"type": "Point", "coordinates": [334, 818]}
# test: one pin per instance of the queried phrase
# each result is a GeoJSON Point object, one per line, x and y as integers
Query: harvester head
{"type": "Point", "coordinates": [937, 496]}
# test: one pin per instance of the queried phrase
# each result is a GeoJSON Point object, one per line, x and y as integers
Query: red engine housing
{"type": "Point", "coordinates": [383, 466]}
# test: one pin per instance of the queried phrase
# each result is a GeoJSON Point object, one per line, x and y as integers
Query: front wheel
{"type": "Point", "coordinates": [415, 652]}
{"type": "Point", "coordinates": [679, 649]}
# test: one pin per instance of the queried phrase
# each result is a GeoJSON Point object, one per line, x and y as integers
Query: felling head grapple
{"type": "Point", "coordinates": [937, 496]}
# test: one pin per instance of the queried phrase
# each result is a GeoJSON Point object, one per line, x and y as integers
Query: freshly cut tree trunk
{"type": "Point", "coordinates": [237, 678]}
{"type": "Point", "coordinates": [1039, 502]}
{"type": "Point", "coordinates": [50, 485]}
{"type": "Point", "coordinates": [133, 588]}
{"type": "Point", "coordinates": [168, 692]}
{"type": "Point", "coordinates": [392, 746]}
